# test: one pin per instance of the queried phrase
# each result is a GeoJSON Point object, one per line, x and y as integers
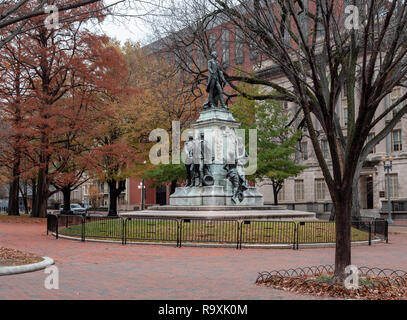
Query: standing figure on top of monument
{"type": "Point", "coordinates": [202, 159]}
{"type": "Point", "coordinates": [189, 160]}
{"type": "Point", "coordinates": [216, 82]}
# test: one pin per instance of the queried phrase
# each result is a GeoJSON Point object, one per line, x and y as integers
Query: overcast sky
{"type": "Point", "coordinates": [125, 28]}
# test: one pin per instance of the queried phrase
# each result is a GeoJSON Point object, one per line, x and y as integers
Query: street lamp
{"type": "Point", "coordinates": [142, 188]}
{"type": "Point", "coordinates": [388, 165]}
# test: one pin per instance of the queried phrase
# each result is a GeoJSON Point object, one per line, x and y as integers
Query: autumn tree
{"type": "Point", "coordinates": [65, 72]}
{"type": "Point", "coordinates": [164, 101]}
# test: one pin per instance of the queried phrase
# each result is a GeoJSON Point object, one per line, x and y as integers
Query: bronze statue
{"type": "Point", "coordinates": [239, 185]}
{"type": "Point", "coordinates": [202, 158]}
{"type": "Point", "coordinates": [189, 160]}
{"type": "Point", "coordinates": [216, 82]}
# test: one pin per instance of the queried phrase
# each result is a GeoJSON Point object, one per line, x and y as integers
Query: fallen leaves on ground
{"type": "Point", "coordinates": [13, 257]}
{"type": "Point", "coordinates": [379, 288]}
{"type": "Point", "coordinates": [24, 218]}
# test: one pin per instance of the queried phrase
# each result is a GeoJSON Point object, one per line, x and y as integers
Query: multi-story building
{"type": "Point", "coordinates": [96, 194]}
{"type": "Point", "coordinates": [308, 191]}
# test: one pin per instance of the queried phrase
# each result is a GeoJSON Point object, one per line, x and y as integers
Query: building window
{"type": "Point", "coordinates": [200, 57]}
{"type": "Point", "coordinates": [345, 117]}
{"type": "Point", "coordinates": [304, 150]}
{"type": "Point", "coordinates": [225, 48]}
{"type": "Point", "coordinates": [212, 42]}
{"type": "Point", "coordinates": [320, 189]}
{"type": "Point", "coordinates": [299, 190]}
{"type": "Point", "coordinates": [281, 194]}
{"type": "Point", "coordinates": [253, 50]}
{"type": "Point", "coordinates": [324, 147]}
{"type": "Point", "coordinates": [397, 140]}
{"type": "Point", "coordinates": [320, 26]}
{"type": "Point", "coordinates": [394, 186]}
{"type": "Point", "coordinates": [370, 138]}
{"type": "Point", "coordinates": [239, 47]}
{"type": "Point", "coordinates": [394, 97]}
{"type": "Point", "coordinates": [304, 19]}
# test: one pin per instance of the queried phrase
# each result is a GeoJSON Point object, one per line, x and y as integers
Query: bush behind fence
{"type": "Point", "coordinates": [178, 231]}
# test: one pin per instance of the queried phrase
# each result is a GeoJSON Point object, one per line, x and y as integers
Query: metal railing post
{"type": "Point", "coordinates": [370, 233]}
{"type": "Point", "coordinates": [83, 229]}
{"type": "Point", "coordinates": [386, 232]}
{"type": "Point", "coordinates": [180, 232]}
{"type": "Point", "coordinates": [56, 229]}
{"type": "Point", "coordinates": [295, 235]}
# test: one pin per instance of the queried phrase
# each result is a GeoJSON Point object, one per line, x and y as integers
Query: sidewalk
{"type": "Point", "coordinates": [112, 271]}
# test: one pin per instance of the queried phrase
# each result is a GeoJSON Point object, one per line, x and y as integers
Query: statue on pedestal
{"type": "Point", "coordinates": [216, 82]}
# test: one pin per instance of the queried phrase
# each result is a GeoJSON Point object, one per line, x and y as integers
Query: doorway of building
{"type": "Point", "coordinates": [369, 192]}
{"type": "Point", "coordinates": [161, 195]}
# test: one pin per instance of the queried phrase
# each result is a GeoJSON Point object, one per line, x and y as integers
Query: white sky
{"type": "Point", "coordinates": [126, 28]}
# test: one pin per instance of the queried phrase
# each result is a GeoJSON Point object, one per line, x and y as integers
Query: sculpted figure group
{"type": "Point", "coordinates": [199, 160]}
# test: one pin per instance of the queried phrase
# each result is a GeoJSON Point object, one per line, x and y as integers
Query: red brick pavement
{"type": "Point", "coordinates": [112, 271]}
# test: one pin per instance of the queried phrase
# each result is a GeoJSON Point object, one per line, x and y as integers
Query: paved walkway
{"type": "Point", "coordinates": [112, 271]}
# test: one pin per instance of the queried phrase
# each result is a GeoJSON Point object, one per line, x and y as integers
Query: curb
{"type": "Point", "coordinates": [4, 271]}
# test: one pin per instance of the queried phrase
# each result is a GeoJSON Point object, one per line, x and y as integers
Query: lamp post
{"type": "Point", "coordinates": [388, 165]}
{"type": "Point", "coordinates": [142, 188]}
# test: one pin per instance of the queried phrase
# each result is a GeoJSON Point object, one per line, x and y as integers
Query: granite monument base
{"type": "Point", "coordinates": [213, 196]}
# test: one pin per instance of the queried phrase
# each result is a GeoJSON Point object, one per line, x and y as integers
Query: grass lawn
{"type": "Point", "coordinates": [276, 232]}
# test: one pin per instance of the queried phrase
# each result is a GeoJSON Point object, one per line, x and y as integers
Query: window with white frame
{"type": "Point", "coordinates": [281, 194]}
{"type": "Point", "coordinates": [239, 46]}
{"type": "Point", "coordinates": [397, 144]}
{"type": "Point", "coordinates": [370, 138]}
{"type": "Point", "coordinates": [304, 150]}
{"type": "Point", "coordinates": [325, 149]}
{"type": "Point", "coordinates": [394, 185]}
{"type": "Point", "coordinates": [320, 188]}
{"type": "Point", "coordinates": [299, 190]}
{"type": "Point", "coordinates": [225, 48]}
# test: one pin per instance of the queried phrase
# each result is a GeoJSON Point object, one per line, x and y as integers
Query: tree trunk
{"type": "Point", "coordinates": [173, 186]}
{"type": "Point", "coordinates": [13, 203]}
{"type": "Point", "coordinates": [275, 193]}
{"type": "Point", "coordinates": [333, 214]}
{"type": "Point", "coordinates": [114, 193]}
{"type": "Point", "coordinates": [34, 192]}
{"type": "Point", "coordinates": [24, 193]}
{"type": "Point", "coordinates": [355, 201]}
{"type": "Point", "coordinates": [41, 196]}
{"type": "Point", "coordinates": [66, 191]}
{"type": "Point", "coordinates": [343, 208]}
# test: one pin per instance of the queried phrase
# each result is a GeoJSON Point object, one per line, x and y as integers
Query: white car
{"type": "Point", "coordinates": [75, 208]}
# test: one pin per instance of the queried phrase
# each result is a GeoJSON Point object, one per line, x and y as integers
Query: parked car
{"type": "Point", "coordinates": [75, 209]}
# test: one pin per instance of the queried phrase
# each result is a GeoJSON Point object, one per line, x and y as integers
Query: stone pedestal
{"type": "Point", "coordinates": [213, 196]}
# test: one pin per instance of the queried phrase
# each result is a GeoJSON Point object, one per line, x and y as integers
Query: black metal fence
{"type": "Point", "coordinates": [179, 231]}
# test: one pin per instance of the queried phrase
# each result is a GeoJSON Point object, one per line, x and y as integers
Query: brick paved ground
{"type": "Point", "coordinates": [112, 271]}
